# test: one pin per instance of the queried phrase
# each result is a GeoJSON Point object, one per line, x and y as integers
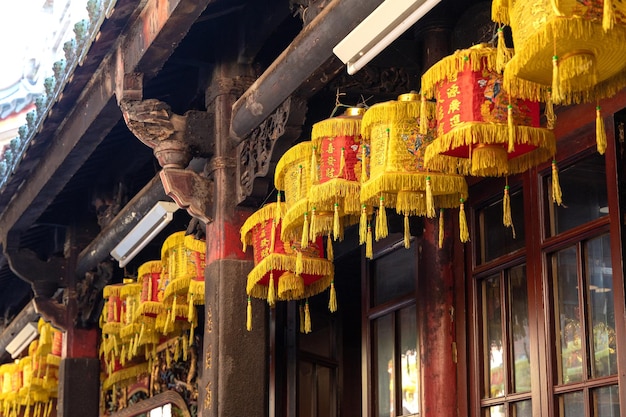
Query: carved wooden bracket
{"type": "Point", "coordinates": [189, 190]}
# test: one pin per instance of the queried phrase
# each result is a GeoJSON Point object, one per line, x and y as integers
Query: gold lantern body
{"type": "Point", "coordinates": [335, 190]}
{"type": "Point", "coordinates": [481, 130]}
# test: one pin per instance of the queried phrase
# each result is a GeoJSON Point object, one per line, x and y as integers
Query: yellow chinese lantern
{"type": "Point", "coordinates": [567, 51]}
{"type": "Point", "coordinates": [334, 193]}
{"type": "Point", "coordinates": [397, 176]}
{"type": "Point", "coordinates": [282, 271]}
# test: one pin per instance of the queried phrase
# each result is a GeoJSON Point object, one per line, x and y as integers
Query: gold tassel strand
{"type": "Point", "coordinates": [342, 161]}
{"type": "Point", "coordinates": [557, 196]}
{"type": "Point", "coordinates": [511, 128]}
{"type": "Point", "coordinates": [363, 225]}
{"type": "Point", "coordinates": [550, 115]}
{"type": "Point", "coordinates": [369, 253]}
{"type": "Point", "coordinates": [463, 230]}
{"type": "Point", "coordinates": [441, 228]}
{"type": "Point", "coordinates": [423, 115]}
{"type": "Point", "coordinates": [336, 224]}
{"type": "Point", "coordinates": [407, 231]}
{"type": "Point", "coordinates": [430, 200]}
{"type": "Point", "coordinates": [381, 221]}
{"type": "Point", "coordinates": [332, 301]}
{"type": "Point", "coordinates": [556, 89]}
{"type": "Point", "coordinates": [330, 254]}
{"type": "Point", "coordinates": [249, 315]}
{"type": "Point", "coordinates": [608, 15]}
{"type": "Point", "coordinates": [305, 231]}
{"type": "Point", "coordinates": [299, 263]}
{"type": "Point", "coordinates": [314, 226]}
{"type": "Point", "coordinates": [271, 291]}
{"type": "Point", "coordinates": [600, 130]}
{"type": "Point", "coordinates": [314, 166]}
{"type": "Point", "coordinates": [363, 163]}
{"type": "Point", "coordinates": [503, 54]}
{"type": "Point", "coordinates": [507, 219]}
{"type": "Point", "coordinates": [278, 213]}
{"type": "Point", "coordinates": [307, 317]}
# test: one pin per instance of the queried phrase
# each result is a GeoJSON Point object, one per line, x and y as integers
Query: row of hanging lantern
{"type": "Point", "coordinates": [30, 384]}
{"type": "Point", "coordinates": [566, 52]}
{"type": "Point", "coordinates": [158, 308]}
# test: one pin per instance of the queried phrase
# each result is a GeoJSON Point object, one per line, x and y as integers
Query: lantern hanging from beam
{"type": "Point", "coordinates": [334, 194]}
{"type": "Point", "coordinates": [397, 177]}
{"type": "Point", "coordinates": [570, 51]}
{"type": "Point", "coordinates": [481, 130]}
{"type": "Point", "coordinates": [283, 271]}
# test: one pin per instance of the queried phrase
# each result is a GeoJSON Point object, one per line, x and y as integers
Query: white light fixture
{"type": "Point", "coordinates": [383, 26]}
{"type": "Point", "coordinates": [21, 341]}
{"type": "Point", "coordinates": [148, 227]}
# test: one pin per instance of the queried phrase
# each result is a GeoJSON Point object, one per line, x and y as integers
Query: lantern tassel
{"type": "Point", "coordinates": [600, 130]}
{"type": "Point", "coordinates": [342, 162]}
{"type": "Point", "coordinates": [313, 166]}
{"type": "Point", "coordinates": [556, 89]}
{"type": "Point", "coordinates": [503, 54]}
{"type": "Point", "coordinates": [271, 291]}
{"type": "Point", "coordinates": [313, 228]}
{"type": "Point", "coordinates": [557, 196]}
{"type": "Point", "coordinates": [550, 116]}
{"type": "Point", "coordinates": [305, 232]}
{"type": "Point", "coordinates": [336, 224]}
{"type": "Point", "coordinates": [430, 200]}
{"type": "Point", "coordinates": [299, 264]}
{"type": "Point", "coordinates": [301, 318]}
{"type": "Point", "coordinates": [511, 129]}
{"type": "Point", "coordinates": [423, 116]}
{"type": "Point", "coordinates": [381, 221]}
{"type": "Point", "coordinates": [463, 230]}
{"type": "Point", "coordinates": [363, 225]}
{"type": "Point", "coordinates": [369, 253]}
{"type": "Point", "coordinates": [307, 318]}
{"type": "Point", "coordinates": [278, 213]}
{"type": "Point", "coordinates": [330, 254]}
{"type": "Point", "coordinates": [608, 15]}
{"type": "Point", "coordinates": [507, 219]}
{"type": "Point", "coordinates": [441, 228]}
{"type": "Point", "coordinates": [273, 236]}
{"type": "Point", "coordinates": [332, 302]}
{"type": "Point", "coordinates": [407, 232]}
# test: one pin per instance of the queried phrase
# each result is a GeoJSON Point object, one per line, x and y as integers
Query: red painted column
{"type": "Point", "coordinates": [436, 283]}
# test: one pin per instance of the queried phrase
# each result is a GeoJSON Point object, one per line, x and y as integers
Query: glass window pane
{"type": "Point", "coordinates": [496, 239]}
{"type": "Point", "coordinates": [567, 312]}
{"type": "Point", "coordinates": [602, 316]}
{"type": "Point", "coordinates": [394, 275]}
{"type": "Point", "coordinates": [571, 405]}
{"type": "Point", "coordinates": [494, 352]}
{"type": "Point", "coordinates": [605, 402]}
{"type": "Point", "coordinates": [522, 409]}
{"type": "Point", "coordinates": [409, 360]}
{"type": "Point", "coordinates": [384, 344]}
{"type": "Point", "coordinates": [518, 296]}
{"type": "Point", "coordinates": [494, 411]}
{"type": "Point", "coordinates": [583, 185]}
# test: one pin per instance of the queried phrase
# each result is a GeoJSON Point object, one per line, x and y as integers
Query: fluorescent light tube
{"type": "Point", "coordinates": [148, 227]}
{"type": "Point", "coordinates": [377, 31]}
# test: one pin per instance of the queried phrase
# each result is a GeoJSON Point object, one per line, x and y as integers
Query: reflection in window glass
{"type": "Point", "coordinates": [409, 361]}
{"type": "Point", "coordinates": [600, 293]}
{"type": "Point", "coordinates": [518, 298]}
{"type": "Point", "coordinates": [383, 334]}
{"type": "Point", "coordinates": [583, 185]}
{"type": "Point", "coordinates": [606, 401]}
{"type": "Point", "coordinates": [496, 239]}
{"type": "Point", "coordinates": [494, 352]}
{"type": "Point", "coordinates": [495, 411]}
{"type": "Point", "coordinates": [394, 275]}
{"type": "Point", "coordinates": [571, 405]}
{"type": "Point", "coordinates": [522, 409]}
{"type": "Point", "coordinates": [564, 264]}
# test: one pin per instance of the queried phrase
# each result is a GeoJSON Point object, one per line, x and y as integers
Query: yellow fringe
{"type": "Point", "coordinates": [266, 213]}
{"type": "Point", "coordinates": [506, 205]}
{"type": "Point", "coordinates": [291, 287]}
{"type": "Point", "coordinates": [149, 268]}
{"type": "Point", "coordinates": [557, 196]}
{"type": "Point", "coordinates": [307, 318]}
{"type": "Point", "coordinates": [511, 129]}
{"type": "Point", "coordinates": [332, 301]}
{"type": "Point", "coordinates": [407, 232]}
{"type": "Point", "coordinates": [126, 376]}
{"type": "Point", "coordinates": [381, 221]}
{"type": "Point", "coordinates": [441, 228]}
{"type": "Point", "coordinates": [363, 162]}
{"type": "Point", "coordinates": [430, 201]}
{"type": "Point", "coordinates": [423, 116]}
{"type": "Point", "coordinates": [282, 262]}
{"type": "Point", "coordinates": [557, 97]}
{"type": "Point", "coordinates": [296, 155]}
{"type": "Point", "coordinates": [271, 291]}
{"type": "Point", "coordinates": [600, 130]}
{"type": "Point", "coordinates": [291, 225]}
{"type": "Point", "coordinates": [463, 230]}
{"type": "Point", "coordinates": [249, 314]}
{"type": "Point", "coordinates": [305, 232]}
{"type": "Point", "coordinates": [336, 126]}
{"type": "Point", "coordinates": [608, 15]}
{"type": "Point", "coordinates": [336, 190]}
{"type": "Point", "coordinates": [336, 225]}
{"type": "Point", "coordinates": [314, 166]}
{"type": "Point", "coordinates": [363, 225]}
{"type": "Point", "coordinates": [503, 54]}
{"type": "Point", "coordinates": [313, 226]}
{"type": "Point", "coordinates": [330, 254]}
{"type": "Point", "coordinates": [500, 11]}
{"type": "Point", "coordinates": [369, 253]}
